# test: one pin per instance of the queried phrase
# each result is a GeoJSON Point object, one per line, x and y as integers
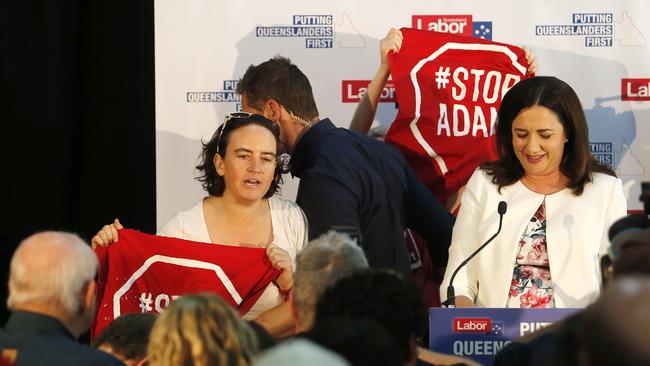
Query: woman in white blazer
{"type": "Point", "coordinates": [561, 202]}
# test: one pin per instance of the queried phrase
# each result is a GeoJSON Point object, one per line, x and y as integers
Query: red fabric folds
{"type": "Point", "coordinates": [449, 89]}
{"type": "Point", "coordinates": [144, 273]}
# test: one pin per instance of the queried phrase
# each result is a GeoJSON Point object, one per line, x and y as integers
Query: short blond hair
{"type": "Point", "coordinates": [201, 330]}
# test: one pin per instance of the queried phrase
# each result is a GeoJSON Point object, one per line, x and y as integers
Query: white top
{"type": "Point", "coordinates": [289, 233]}
{"type": "Point", "coordinates": [576, 233]}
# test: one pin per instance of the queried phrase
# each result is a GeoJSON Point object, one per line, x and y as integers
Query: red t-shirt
{"type": "Point", "coordinates": [449, 89]}
{"type": "Point", "coordinates": [144, 273]}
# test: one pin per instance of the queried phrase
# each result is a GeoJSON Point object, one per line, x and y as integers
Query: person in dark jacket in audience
{"type": "Point", "coordinates": [52, 300]}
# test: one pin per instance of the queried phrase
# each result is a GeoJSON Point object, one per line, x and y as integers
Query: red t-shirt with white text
{"type": "Point", "coordinates": [144, 273]}
{"type": "Point", "coordinates": [449, 89]}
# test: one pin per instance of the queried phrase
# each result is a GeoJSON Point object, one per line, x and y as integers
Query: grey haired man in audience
{"type": "Point", "coordinates": [324, 261]}
{"type": "Point", "coordinates": [52, 300]}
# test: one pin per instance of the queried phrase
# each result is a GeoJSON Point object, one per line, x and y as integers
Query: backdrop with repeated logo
{"type": "Point", "coordinates": [203, 47]}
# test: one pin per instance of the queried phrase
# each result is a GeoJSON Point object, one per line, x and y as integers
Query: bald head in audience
{"type": "Point", "coordinates": [52, 273]}
{"type": "Point", "coordinates": [52, 302]}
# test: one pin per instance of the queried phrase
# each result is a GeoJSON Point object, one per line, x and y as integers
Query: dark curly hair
{"type": "Point", "coordinates": [128, 335]}
{"type": "Point", "coordinates": [381, 295]}
{"type": "Point", "coordinates": [577, 162]}
{"type": "Point", "coordinates": [212, 182]}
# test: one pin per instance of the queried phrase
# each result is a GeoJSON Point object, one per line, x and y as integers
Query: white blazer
{"type": "Point", "coordinates": [576, 235]}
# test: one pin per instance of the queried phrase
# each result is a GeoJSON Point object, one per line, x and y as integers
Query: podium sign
{"type": "Point", "coordinates": [480, 333]}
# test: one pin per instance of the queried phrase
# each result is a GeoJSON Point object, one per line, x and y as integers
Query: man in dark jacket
{"type": "Point", "coordinates": [347, 180]}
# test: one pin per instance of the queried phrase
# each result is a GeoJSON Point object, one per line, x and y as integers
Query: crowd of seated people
{"type": "Point", "coordinates": [356, 316]}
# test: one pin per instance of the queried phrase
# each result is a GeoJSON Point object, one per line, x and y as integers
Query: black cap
{"type": "Point", "coordinates": [624, 229]}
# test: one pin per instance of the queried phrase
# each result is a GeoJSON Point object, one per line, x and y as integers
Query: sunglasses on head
{"type": "Point", "coordinates": [230, 116]}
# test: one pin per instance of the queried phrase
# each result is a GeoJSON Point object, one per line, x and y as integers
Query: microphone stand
{"type": "Point", "coordinates": [451, 293]}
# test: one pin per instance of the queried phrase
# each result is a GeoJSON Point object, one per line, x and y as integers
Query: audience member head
{"type": "Point", "coordinates": [383, 296]}
{"type": "Point", "coordinates": [324, 261]}
{"type": "Point", "coordinates": [621, 231]}
{"type": "Point", "coordinates": [615, 328]}
{"type": "Point", "coordinates": [567, 148]}
{"type": "Point", "coordinates": [216, 151]}
{"type": "Point", "coordinates": [52, 273]}
{"type": "Point", "coordinates": [127, 337]}
{"type": "Point", "coordinates": [625, 233]}
{"type": "Point", "coordinates": [278, 90]}
{"type": "Point", "coordinates": [633, 256]}
{"type": "Point", "coordinates": [361, 341]}
{"type": "Point", "coordinates": [200, 330]}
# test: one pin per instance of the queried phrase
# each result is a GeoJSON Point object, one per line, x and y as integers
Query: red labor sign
{"type": "Point", "coordinates": [143, 273]}
{"type": "Point", "coordinates": [449, 89]}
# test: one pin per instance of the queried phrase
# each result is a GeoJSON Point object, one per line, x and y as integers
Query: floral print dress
{"type": "Point", "coordinates": [531, 285]}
